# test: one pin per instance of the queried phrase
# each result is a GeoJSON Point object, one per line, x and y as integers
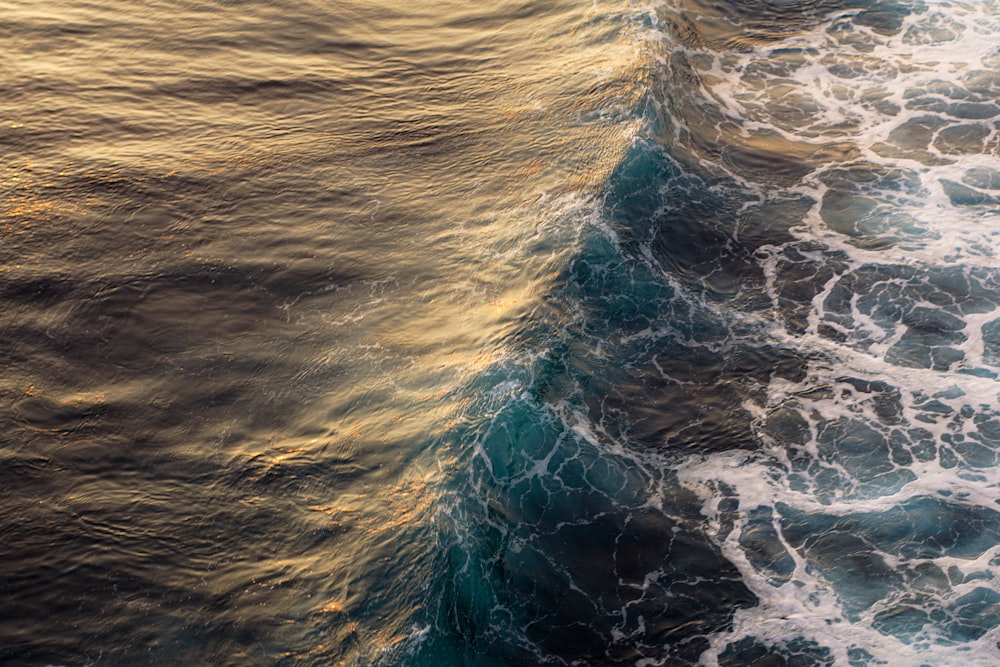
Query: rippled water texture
{"type": "Point", "coordinates": [556, 333]}
{"type": "Point", "coordinates": [249, 252]}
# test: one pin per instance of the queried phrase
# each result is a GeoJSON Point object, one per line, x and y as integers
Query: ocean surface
{"type": "Point", "coordinates": [565, 332]}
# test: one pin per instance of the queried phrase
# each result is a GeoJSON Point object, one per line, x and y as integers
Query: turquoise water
{"type": "Point", "coordinates": [539, 333]}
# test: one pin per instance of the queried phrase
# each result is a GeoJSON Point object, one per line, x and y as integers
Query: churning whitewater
{"type": "Point", "coordinates": [758, 419]}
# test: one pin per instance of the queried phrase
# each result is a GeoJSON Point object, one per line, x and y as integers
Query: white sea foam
{"type": "Point", "coordinates": [893, 131]}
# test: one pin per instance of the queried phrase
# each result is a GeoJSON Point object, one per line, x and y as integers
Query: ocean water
{"type": "Point", "coordinates": [519, 333]}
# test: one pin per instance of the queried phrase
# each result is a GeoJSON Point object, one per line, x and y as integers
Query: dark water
{"type": "Point", "coordinates": [525, 333]}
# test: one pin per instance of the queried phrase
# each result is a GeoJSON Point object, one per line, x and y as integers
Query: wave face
{"type": "Point", "coordinates": [757, 420]}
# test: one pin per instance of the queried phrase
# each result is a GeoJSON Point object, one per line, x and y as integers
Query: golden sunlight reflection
{"type": "Point", "coordinates": [377, 518]}
{"type": "Point", "coordinates": [28, 198]}
{"type": "Point", "coordinates": [262, 261]}
{"type": "Point", "coordinates": [404, 504]}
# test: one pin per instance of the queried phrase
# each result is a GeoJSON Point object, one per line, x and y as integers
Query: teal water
{"type": "Point", "coordinates": [539, 333]}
